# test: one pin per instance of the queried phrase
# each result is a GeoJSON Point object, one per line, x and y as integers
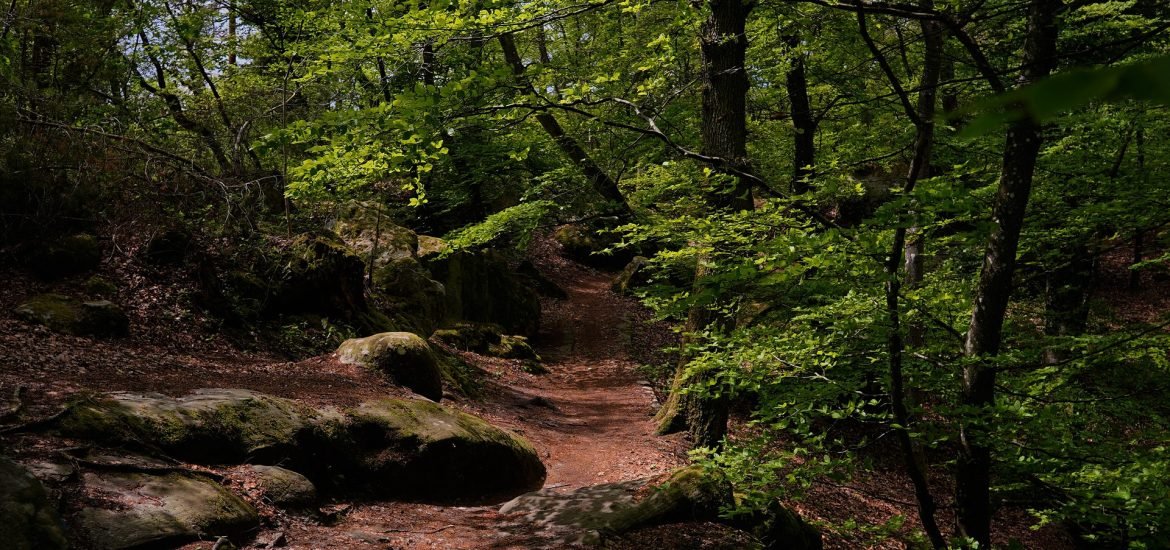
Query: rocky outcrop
{"type": "Point", "coordinates": [587, 514]}
{"type": "Point", "coordinates": [487, 339]}
{"type": "Point", "coordinates": [481, 287]}
{"type": "Point", "coordinates": [27, 520]}
{"type": "Point", "coordinates": [440, 453]}
{"type": "Point", "coordinates": [66, 256]}
{"type": "Point", "coordinates": [592, 244]}
{"type": "Point", "coordinates": [385, 448]}
{"type": "Point", "coordinates": [590, 514]}
{"type": "Point", "coordinates": [100, 318]}
{"type": "Point", "coordinates": [402, 356]}
{"type": "Point", "coordinates": [136, 509]}
{"type": "Point", "coordinates": [209, 426]}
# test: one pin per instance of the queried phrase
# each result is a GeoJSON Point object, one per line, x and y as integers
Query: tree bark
{"type": "Point", "coordinates": [723, 46]}
{"type": "Point", "coordinates": [984, 334]}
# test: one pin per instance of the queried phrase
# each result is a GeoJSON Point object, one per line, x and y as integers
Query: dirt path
{"type": "Point", "coordinates": [590, 419]}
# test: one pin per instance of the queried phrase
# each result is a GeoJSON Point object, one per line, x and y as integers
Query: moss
{"type": "Point", "coordinates": [100, 287]}
{"type": "Point", "coordinates": [58, 312]}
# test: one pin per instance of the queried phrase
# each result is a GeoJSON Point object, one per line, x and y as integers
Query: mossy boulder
{"type": "Point", "coordinates": [100, 287]}
{"type": "Point", "coordinates": [100, 318]}
{"type": "Point", "coordinates": [592, 244]}
{"type": "Point", "coordinates": [369, 229]}
{"type": "Point", "coordinates": [321, 274]}
{"type": "Point", "coordinates": [284, 488]}
{"type": "Point", "coordinates": [406, 292]}
{"type": "Point", "coordinates": [473, 337]}
{"type": "Point", "coordinates": [207, 426]}
{"type": "Point", "coordinates": [66, 256]}
{"type": "Point", "coordinates": [419, 449]}
{"type": "Point", "coordinates": [513, 347]}
{"type": "Point", "coordinates": [588, 514]}
{"type": "Point", "coordinates": [402, 356]}
{"type": "Point", "coordinates": [481, 287]}
{"type": "Point", "coordinates": [135, 510]}
{"type": "Point", "coordinates": [27, 520]}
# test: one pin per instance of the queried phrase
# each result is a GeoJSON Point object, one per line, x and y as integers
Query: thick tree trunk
{"type": "Point", "coordinates": [601, 181]}
{"type": "Point", "coordinates": [723, 45]}
{"type": "Point", "coordinates": [984, 335]}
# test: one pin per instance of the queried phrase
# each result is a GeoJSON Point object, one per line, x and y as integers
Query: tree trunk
{"type": "Point", "coordinates": [804, 126]}
{"type": "Point", "coordinates": [723, 45]}
{"type": "Point", "coordinates": [984, 335]}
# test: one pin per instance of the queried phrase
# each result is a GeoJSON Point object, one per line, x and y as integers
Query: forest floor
{"type": "Point", "coordinates": [589, 417]}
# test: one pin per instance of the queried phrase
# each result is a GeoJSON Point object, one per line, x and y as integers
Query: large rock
{"type": "Point", "coordinates": [66, 256]}
{"type": "Point", "coordinates": [487, 339]}
{"type": "Point", "coordinates": [206, 426]}
{"type": "Point", "coordinates": [481, 287]}
{"type": "Point", "coordinates": [419, 449]}
{"type": "Point", "coordinates": [140, 509]}
{"type": "Point", "coordinates": [387, 448]}
{"type": "Point", "coordinates": [403, 356]}
{"type": "Point", "coordinates": [285, 488]}
{"type": "Point", "coordinates": [404, 289]}
{"type": "Point", "coordinates": [592, 245]}
{"type": "Point", "coordinates": [585, 515]}
{"type": "Point", "coordinates": [27, 520]}
{"type": "Point", "coordinates": [60, 313]}
{"type": "Point", "coordinates": [321, 274]}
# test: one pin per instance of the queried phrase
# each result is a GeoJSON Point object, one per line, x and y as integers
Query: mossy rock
{"type": "Point", "coordinates": [138, 509]}
{"type": "Point", "coordinates": [473, 337]}
{"type": "Point", "coordinates": [591, 245]}
{"type": "Point", "coordinates": [369, 229]}
{"type": "Point", "coordinates": [285, 488]}
{"type": "Point", "coordinates": [407, 293]}
{"type": "Point", "coordinates": [513, 347]}
{"type": "Point", "coordinates": [210, 426]}
{"type": "Point", "coordinates": [439, 453]}
{"type": "Point", "coordinates": [100, 287]}
{"type": "Point", "coordinates": [27, 520]}
{"type": "Point", "coordinates": [402, 356]}
{"type": "Point", "coordinates": [321, 274]}
{"type": "Point", "coordinates": [482, 288]}
{"type": "Point", "coordinates": [430, 247]}
{"type": "Point", "coordinates": [459, 377]}
{"type": "Point", "coordinates": [66, 256]}
{"type": "Point", "coordinates": [100, 318]}
{"type": "Point", "coordinates": [589, 514]}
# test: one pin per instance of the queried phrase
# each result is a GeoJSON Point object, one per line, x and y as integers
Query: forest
{"type": "Point", "coordinates": [790, 274]}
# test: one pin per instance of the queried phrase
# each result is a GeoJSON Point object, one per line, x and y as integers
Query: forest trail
{"type": "Point", "coordinates": [589, 417]}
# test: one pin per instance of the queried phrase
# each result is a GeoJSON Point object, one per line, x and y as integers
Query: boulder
{"type": "Point", "coordinates": [588, 514]}
{"type": "Point", "coordinates": [369, 229]}
{"type": "Point", "coordinates": [632, 276]}
{"type": "Point", "coordinates": [592, 245]}
{"type": "Point", "coordinates": [385, 448]}
{"type": "Point", "coordinates": [473, 337]}
{"type": "Point", "coordinates": [100, 287]}
{"type": "Point", "coordinates": [513, 347]}
{"type": "Point", "coordinates": [208, 426]}
{"type": "Point", "coordinates": [419, 449]}
{"type": "Point", "coordinates": [481, 287]}
{"type": "Point", "coordinates": [66, 256]}
{"type": "Point", "coordinates": [60, 313]}
{"type": "Point", "coordinates": [405, 291]}
{"type": "Point", "coordinates": [139, 509]}
{"type": "Point", "coordinates": [285, 488]}
{"type": "Point", "coordinates": [403, 356]}
{"type": "Point", "coordinates": [27, 520]}
{"type": "Point", "coordinates": [320, 275]}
